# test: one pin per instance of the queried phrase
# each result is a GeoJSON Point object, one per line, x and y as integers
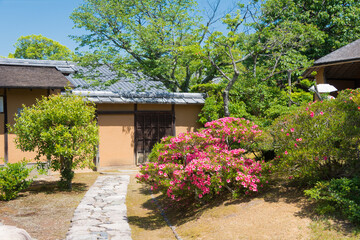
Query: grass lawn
{"type": "Point", "coordinates": [43, 210]}
{"type": "Point", "coordinates": [278, 213]}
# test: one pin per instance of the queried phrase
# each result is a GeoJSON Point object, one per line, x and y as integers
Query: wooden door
{"type": "Point", "coordinates": [150, 128]}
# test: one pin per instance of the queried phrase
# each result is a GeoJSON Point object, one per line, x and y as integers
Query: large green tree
{"type": "Point", "coordinates": [61, 128]}
{"type": "Point", "coordinates": [261, 47]}
{"type": "Point", "coordinates": [338, 19]}
{"type": "Point", "coordinates": [40, 47]}
{"type": "Point", "coordinates": [158, 38]}
{"type": "Point", "coordinates": [265, 52]}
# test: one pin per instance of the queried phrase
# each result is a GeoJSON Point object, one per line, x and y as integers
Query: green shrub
{"type": "Point", "coordinates": [13, 179]}
{"type": "Point", "coordinates": [319, 141]}
{"type": "Point", "coordinates": [338, 195]}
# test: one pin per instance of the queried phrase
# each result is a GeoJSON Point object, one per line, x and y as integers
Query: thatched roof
{"type": "Point", "coordinates": [22, 73]}
{"type": "Point", "coordinates": [31, 77]}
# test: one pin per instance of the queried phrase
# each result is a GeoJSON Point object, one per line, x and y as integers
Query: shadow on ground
{"type": "Point", "coordinates": [278, 190]}
{"type": "Point", "coordinates": [51, 187]}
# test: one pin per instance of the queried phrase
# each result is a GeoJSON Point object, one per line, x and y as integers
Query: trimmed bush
{"type": "Point", "coordinates": [203, 164]}
{"type": "Point", "coordinates": [320, 140]}
{"type": "Point", "coordinates": [13, 179]}
{"type": "Point", "coordinates": [338, 195]}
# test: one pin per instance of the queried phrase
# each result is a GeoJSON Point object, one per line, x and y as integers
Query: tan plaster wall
{"type": "Point", "coordinates": [186, 117]}
{"type": "Point", "coordinates": [15, 99]}
{"type": "Point", "coordinates": [154, 107]}
{"type": "Point", "coordinates": [116, 133]}
{"type": "Point", "coordinates": [320, 76]}
{"type": "Point", "coordinates": [115, 107]}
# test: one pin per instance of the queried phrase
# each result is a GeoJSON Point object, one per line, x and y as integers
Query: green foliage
{"type": "Point", "coordinates": [213, 108]}
{"type": "Point", "coordinates": [13, 179]}
{"type": "Point", "coordinates": [338, 196]}
{"type": "Point", "coordinates": [161, 39]}
{"type": "Point", "coordinates": [61, 128]}
{"type": "Point", "coordinates": [259, 101]}
{"type": "Point", "coordinates": [319, 140]}
{"type": "Point", "coordinates": [155, 151]}
{"type": "Point", "coordinates": [40, 47]}
{"type": "Point", "coordinates": [338, 20]}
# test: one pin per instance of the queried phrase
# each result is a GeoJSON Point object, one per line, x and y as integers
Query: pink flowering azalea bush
{"type": "Point", "coordinates": [320, 140]}
{"type": "Point", "coordinates": [203, 164]}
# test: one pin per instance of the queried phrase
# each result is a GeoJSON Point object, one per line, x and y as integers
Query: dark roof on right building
{"type": "Point", "coordinates": [346, 53]}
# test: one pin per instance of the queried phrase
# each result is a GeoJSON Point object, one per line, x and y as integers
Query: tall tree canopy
{"type": "Point", "coordinates": [40, 47]}
{"type": "Point", "coordinates": [158, 38]}
{"type": "Point", "coordinates": [259, 48]}
{"type": "Point", "coordinates": [338, 19]}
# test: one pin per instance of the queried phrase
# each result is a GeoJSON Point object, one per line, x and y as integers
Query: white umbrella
{"type": "Point", "coordinates": [323, 88]}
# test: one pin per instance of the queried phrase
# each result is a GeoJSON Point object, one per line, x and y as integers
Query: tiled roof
{"type": "Point", "coordinates": [111, 88]}
{"type": "Point", "coordinates": [106, 78]}
{"type": "Point", "coordinates": [125, 90]}
{"type": "Point", "coordinates": [60, 65]}
{"type": "Point", "coordinates": [142, 97]}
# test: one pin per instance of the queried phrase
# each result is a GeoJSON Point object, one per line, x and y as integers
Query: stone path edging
{"type": "Point", "coordinates": [101, 214]}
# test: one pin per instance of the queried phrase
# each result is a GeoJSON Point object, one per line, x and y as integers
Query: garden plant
{"type": "Point", "coordinates": [318, 146]}
{"type": "Point", "coordinates": [205, 163]}
{"type": "Point", "coordinates": [61, 128]}
{"type": "Point", "coordinates": [320, 140]}
{"type": "Point", "coordinates": [14, 177]}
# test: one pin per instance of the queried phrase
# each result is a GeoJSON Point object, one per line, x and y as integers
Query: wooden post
{"type": "Point", "coordinates": [6, 144]}
{"type": "Point", "coordinates": [135, 135]}
{"type": "Point", "coordinates": [173, 130]}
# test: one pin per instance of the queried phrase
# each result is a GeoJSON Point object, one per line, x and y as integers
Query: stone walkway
{"type": "Point", "coordinates": [101, 214]}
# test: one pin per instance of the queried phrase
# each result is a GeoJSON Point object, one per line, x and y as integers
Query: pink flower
{"type": "Point", "coordinates": [311, 114]}
{"type": "Point", "coordinates": [287, 134]}
{"type": "Point", "coordinates": [228, 180]}
{"type": "Point", "coordinates": [321, 113]}
{"type": "Point", "coordinates": [200, 195]}
{"type": "Point", "coordinates": [295, 145]}
{"type": "Point", "coordinates": [325, 158]}
{"type": "Point", "coordinates": [282, 130]}
{"type": "Point", "coordinates": [286, 152]}
{"type": "Point", "coordinates": [292, 129]}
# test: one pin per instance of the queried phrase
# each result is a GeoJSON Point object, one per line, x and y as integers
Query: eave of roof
{"type": "Point", "coordinates": [142, 97]}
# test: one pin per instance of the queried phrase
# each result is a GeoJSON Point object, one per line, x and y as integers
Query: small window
{"type": "Point", "coordinates": [1, 104]}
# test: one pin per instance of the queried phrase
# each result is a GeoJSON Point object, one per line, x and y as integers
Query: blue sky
{"type": "Point", "coordinates": [49, 18]}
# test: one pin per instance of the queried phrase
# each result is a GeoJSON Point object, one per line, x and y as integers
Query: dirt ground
{"type": "Point", "coordinates": [43, 210]}
{"type": "Point", "coordinates": [278, 213]}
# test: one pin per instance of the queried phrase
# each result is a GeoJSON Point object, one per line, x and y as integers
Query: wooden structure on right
{"type": "Point", "coordinates": [340, 68]}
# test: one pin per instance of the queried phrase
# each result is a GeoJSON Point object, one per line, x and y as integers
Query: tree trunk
{"type": "Point", "coordinates": [226, 94]}
{"type": "Point", "coordinates": [67, 174]}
